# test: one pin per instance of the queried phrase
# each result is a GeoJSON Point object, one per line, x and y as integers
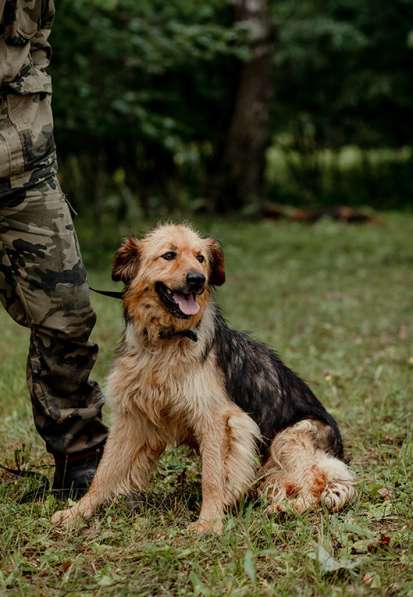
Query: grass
{"type": "Point", "coordinates": [336, 301]}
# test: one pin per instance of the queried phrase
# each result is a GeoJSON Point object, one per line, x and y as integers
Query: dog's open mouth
{"type": "Point", "coordinates": [178, 302]}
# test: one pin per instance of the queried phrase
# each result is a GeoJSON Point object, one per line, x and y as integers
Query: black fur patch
{"type": "Point", "coordinates": [259, 383]}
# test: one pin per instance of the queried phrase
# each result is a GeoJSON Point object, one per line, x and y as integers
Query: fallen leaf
{"type": "Point", "coordinates": [105, 581]}
{"type": "Point", "coordinates": [198, 585]}
{"type": "Point", "coordinates": [328, 563]}
{"type": "Point", "coordinates": [371, 579]}
{"type": "Point", "coordinates": [385, 493]}
{"type": "Point", "coordinates": [362, 546]}
{"type": "Point", "coordinates": [249, 565]}
{"type": "Point", "coordinates": [381, 511]}
{"type": "Point", "coordinates": [357, 529]}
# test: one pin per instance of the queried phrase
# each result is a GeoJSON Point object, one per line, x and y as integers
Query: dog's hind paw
{"type": "Point", "coordinates": [206, 526]}
{"type": "Point", "coordinates": [277, 508]}
{"type": "Point", "coordinates": [65, 518]}
{"type": "Point", "coordinates": [337, 495]}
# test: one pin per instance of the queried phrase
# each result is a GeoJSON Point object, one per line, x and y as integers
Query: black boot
{"type": "Point", "coordinates": [74, 473]}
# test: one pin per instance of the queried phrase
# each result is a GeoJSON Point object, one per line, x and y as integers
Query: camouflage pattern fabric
{"type": "Point", "coordinates": [43, 282]}
{"type": "Point", "coordinates": [24, 50]}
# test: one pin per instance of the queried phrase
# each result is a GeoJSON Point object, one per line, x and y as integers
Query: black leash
{"type": "Point", "coordinates": [30, 496]}
{"type": "Point", "coordinates": [112, 293]}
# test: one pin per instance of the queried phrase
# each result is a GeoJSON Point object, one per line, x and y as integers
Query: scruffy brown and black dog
{"type": "Point", "coordinates": [182, 375]}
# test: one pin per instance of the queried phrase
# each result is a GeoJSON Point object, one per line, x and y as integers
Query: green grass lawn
{"type": "Point", "coordinates": [336, 302]}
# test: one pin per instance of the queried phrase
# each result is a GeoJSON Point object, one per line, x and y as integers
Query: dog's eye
{"type": "Point", "coordinates": [200, 258]}
{"type": "Point", "coordinates": [169, 255]}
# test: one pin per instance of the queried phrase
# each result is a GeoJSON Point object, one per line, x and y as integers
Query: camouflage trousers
{"type": "Point", "coordinates": [43, 282]}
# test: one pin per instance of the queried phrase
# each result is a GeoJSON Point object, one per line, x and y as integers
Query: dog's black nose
{"type": "Point", "coordinates": [195, 280]}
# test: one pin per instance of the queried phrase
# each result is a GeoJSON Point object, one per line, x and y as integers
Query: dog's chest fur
{"type": "Point", "coordinates": [173, 379]}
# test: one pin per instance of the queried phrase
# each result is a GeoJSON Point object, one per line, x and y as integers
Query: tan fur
{"type": "Point", "coordinates": [299, 474]}
{"type": "Point", "coordinates": [161, 391]}
{"type": "Point", "coordinates": [164, 392]}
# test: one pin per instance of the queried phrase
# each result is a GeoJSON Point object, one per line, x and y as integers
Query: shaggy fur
{"type": "Point", "coordinates": [183, 376]}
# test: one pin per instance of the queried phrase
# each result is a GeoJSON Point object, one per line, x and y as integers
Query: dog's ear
{"type": "Point", "coordinates": [126, 261]}
{"type": "Point", "coordinates": [216, 263]}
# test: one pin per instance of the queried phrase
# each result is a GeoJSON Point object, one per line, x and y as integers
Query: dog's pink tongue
{"type": "Point", "coordinates": [187, 303]}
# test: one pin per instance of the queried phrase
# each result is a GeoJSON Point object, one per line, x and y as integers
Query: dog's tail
{"type": "Point", "coordinates": [241, 455]}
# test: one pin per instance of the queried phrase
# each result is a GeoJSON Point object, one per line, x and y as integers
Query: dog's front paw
{"type": "Point", "coordinates": [66, 518]}
{"type": "Point", "coordinates": [206, 526]}
{"type": "Point", "coordinates": [277, 507]}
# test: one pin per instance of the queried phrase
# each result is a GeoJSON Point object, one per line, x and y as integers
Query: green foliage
{"type": "Point", "coordinates": [343, 70]}
{"type": "Point", "coordinates": [343, 77]}
{"type": "Point", "coordinates": [146, 89]}
{"type": "Point", "coordinates": [136, 81]}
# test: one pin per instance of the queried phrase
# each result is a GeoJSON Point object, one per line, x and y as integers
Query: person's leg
{"type": "Point", "coordinates": [43, 286]}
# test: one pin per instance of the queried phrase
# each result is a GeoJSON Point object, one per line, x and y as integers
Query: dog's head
{"type": "Point", "coordinates": [168, 275]}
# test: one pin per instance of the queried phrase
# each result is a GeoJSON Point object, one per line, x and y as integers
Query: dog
{"type": "Point", "coordinates": [182, 375]}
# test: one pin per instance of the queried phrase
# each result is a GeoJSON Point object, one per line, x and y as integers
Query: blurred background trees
{"type": "Point", "coordinates": [223, 105]}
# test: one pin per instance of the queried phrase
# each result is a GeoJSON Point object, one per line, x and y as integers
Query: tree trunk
{"type": "Point", "coordinates": [240, 180]}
